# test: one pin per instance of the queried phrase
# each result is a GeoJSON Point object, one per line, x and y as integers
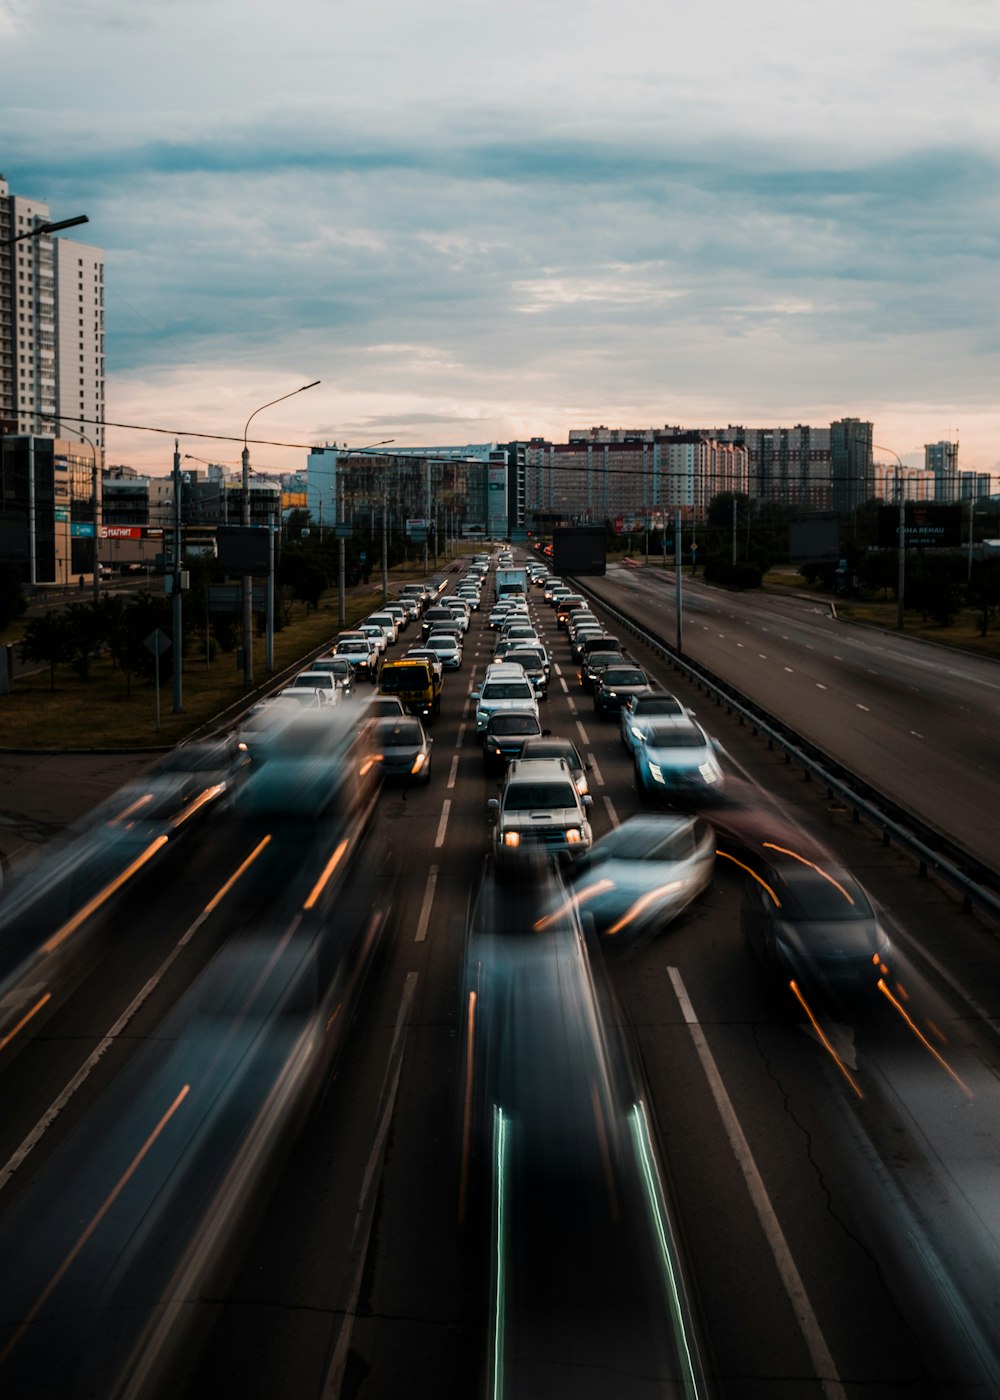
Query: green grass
{"type": "Point", "coordinates": [100, 714]}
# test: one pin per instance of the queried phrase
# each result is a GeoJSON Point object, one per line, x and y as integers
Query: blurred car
{"type": "Point", "coordinates": [194, 777]}
{"type": "Point", "coordinates": [539, 812]}
{"type": "Point", "coordinates": [403, 748]}
{"type": "Point", "coordinates": [810, 922]}
{"type": "Point", "coordinates": [448, 647]}
{"type": "Point", "coordinates": [644, 873]}
{"type": "Point", "coordinates": [505, 734]}
{"type": "Point", "coordinates": [616, 685]}
{"type": "Point", "coordinates": [639, 712]}
{"type": "Point", "coordinates": [318, 766]}
{"type": "Point", "coordinates": [554, 746]}
{"type": "Point", "coordinates": [316, 680]}
{"type": "Point", "coordinates": [676, 758]}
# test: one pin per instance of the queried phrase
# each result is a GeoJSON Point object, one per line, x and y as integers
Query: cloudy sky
{"type": "Point", "coordinates": [489, 219]}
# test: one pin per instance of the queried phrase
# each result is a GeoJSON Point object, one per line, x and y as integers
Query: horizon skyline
{"type": "Point", "coordinates": [481, 224]}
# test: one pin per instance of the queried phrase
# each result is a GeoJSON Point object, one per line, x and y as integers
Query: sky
{"type": "Point", "coordinates": [496, 219]}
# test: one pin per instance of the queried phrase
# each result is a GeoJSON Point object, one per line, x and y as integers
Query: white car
{"type": "Point", "coordinates": [448, 647]}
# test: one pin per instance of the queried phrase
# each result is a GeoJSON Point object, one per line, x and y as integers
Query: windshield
{"type": "Point", "coordinates": [620, 675]}
{"type": "Point", "coordinates": [395, 733]}
{"type": "Point", "coordinates": [675, 736]}
{"type": "Point", "coordinates": [526, 797]}
{"type": "Point", "coordinates": [513, 724]}
{"type": "Point", "coordinates": [507, 690]}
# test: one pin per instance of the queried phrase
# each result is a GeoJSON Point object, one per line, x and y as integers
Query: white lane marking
{"type": "Point", "coordinates": [762, 656]}
{"type": "Point", "coordinates": [425, 908]}
{"type": "Point", "coordinates": [915, 734]}
{"type": "Point", "coordinates": [598, 777]}
{"type": "Point", "coordinates": [365, 1217]}
{"type": "Point", "coordinates": [863, 707]}
{"type": "Point", "coordinates": [582, 731]}
{"type": "Point", "coordinates": [819, 686]}
{"type": "Point", "coordinates": [789, 670]}
{"type": "Point", "coordinates": [443, 823]}
{"type": "Point", "coordinates": [460, 736]}
{"type": "Point", "coordinates": [557, 668]}
{"type": "Point", "coordinates": [740, 645]}
{"type": "Point", "coordinates": [571, 703]}
{"type": "Point", "coordinates": [562, 682]}
{"type": "Point", "coordinates": [611, 812]}
{"type": "Point", "coordinates": [454, 772]}
{"type": "Point", "coordinates": [822, 1359]}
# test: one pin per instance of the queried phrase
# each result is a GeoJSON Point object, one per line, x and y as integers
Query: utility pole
{"type": "Point", "coordinates": [175, 597]}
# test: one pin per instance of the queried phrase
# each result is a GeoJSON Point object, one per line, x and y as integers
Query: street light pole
{"type": "Point", "coordinates": [248, 578]}
{"type": "Point", "coordinates": [175, 593]}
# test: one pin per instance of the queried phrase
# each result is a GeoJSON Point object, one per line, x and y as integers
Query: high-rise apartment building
{"type": "Point", "coordinates": [851, 466]}
{"type": "Point", "coordinates": [51, 328]}
{"type": "Point", "coordinates": [941, 458]}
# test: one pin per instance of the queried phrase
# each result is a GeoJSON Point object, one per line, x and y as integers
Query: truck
{"type": "Point", "coordinates": [579, 549]}
{"type": "Point", "coordinates": [414, 680]}
{"type": "Point", "coordinates": [512, 583]}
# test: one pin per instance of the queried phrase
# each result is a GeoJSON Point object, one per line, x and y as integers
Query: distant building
{"type": "Point", "coordinates": [51, 329]}
{"type": "Point", "coordinates": [49, 496]}
{"type": "Point", "coordinates": [941, 458]}
{"type": "Point", "coordinates": [852, 469]}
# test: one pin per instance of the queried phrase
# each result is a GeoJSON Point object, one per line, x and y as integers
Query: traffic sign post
{"type": "Point", "coordinates": [157, 642]}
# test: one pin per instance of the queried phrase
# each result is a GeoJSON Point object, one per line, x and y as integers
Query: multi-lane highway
{"type": "Point", "coordinates": [832, 1186]}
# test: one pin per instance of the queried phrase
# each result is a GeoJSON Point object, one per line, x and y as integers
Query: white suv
{"type": "Point", "coordinates": [539, 813]}
{"type": "Point", "coordinates": [503, 688]}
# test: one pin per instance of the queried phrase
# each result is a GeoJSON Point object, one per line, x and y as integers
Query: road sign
{"type": "Point", "coordinates": [157, 642]}
{"type": "Point", "coordinates": [343, 532]}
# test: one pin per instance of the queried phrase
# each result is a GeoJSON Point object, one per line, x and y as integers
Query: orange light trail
{"type": "Point", "coordinates": [220, 895]}
{"type": "Point", "coordinates": [103, 896]}
{"type": "Point", "coordinates": [328, 870]}
{"type": "Point", "coordinates": [642, 904]}
{"type": "Point", "coordinates": [923, 1039]}
{"type": "Point", "coordinates": [24, 1020]}
{"type": "Point", "coordinates": [783, 850]}
{"type": "Point", "coordinates": [752, 873]}
{"type": "Point", "coordinates": [198, 802]}
{"type": "Point", "coordinates": [132, 807]}
{"type": "Point", "coordinates": [109, 1201]}
{"type": "Point", "coordinates": [796, 992]}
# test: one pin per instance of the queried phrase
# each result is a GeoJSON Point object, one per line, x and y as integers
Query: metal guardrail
{"type": "Point", "coordinates": [929, 848]}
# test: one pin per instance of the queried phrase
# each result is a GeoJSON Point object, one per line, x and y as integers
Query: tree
{"type": "Point", "coordinates": [85, 624]}
{"type": "Point", "coordinates": [47, 639]}
{"type": "Point", "coordinates": [983, 590]}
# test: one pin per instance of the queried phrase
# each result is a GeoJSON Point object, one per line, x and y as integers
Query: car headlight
{"type": "Point", "coordinates": [418, 762]}
{"type": "Point", "coordinates": [512, 838]}
{"type": "Point", "coordinates": [656, 772]}
{"type": "Point", "coordinates": [574, 835]}
{"type": "Point", "coordinates": [709, 772]}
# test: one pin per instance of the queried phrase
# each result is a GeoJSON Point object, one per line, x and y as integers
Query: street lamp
{"type": "Point", "coordinates": [40, 230]}
{"type": "Point", "coordinates": [248, 578]}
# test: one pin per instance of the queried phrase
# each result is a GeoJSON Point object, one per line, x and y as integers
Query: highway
{"type": "Point", "coordinates": [833, 1187]}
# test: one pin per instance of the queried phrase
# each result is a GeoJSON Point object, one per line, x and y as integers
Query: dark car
{"type": "Point", "coordinates": [641, 711]}
{"type": "Point", "coordinates": [403, 748]}
{"type": "Point", "coordinates": [813, 928]}
{"type": "Point", "coordinates": [593, 665]}
{"type": "Point", "coordinates": [532, 661]}
{"type": "Point", "coordinates": [616, 685]}
{"type": "Point", "coordinates": [553, 746]}
{"type": "Point", "coordinates": [504, 736]}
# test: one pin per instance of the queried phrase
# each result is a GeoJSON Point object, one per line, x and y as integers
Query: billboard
{"type": "Point", "coordinates": [814, 536]}
{"type": "Point", "coordinates": [579, 549]}
{"type": "Point", "coordinates": [243, 549]}
{"type": "Point", "coordinates": [923, 525]}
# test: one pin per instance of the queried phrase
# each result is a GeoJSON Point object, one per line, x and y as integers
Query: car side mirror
{"type": "Point", "coordinates": [588, 801]}
{"type": "Point", "coordinates": [474, 696]}
{"type": "Point", "coordinates": [494, 804]}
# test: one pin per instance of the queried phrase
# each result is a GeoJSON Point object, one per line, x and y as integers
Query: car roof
{"type": "Point", "coordinates": [533, 769]}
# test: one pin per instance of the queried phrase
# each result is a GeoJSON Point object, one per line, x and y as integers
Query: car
{"type": "Point", "coordinates": [377, 634]}
{"type": "Point", "coordinates": [363, 655]}
{"type": "Point", "coordinates": [578, 642]}
{"type": "Point", "coordinates": [426, 654]}
{"type": "Point", "coordinates": [551, 584]}
{"type": "Point", "coordinates": [640, 711]}
{"type": "Point", "coordinates": [519, 632]}
{"type": "Point", "coordinates": [316, 680]}
{"type": "Point", "coordinates": [503, 688]}
{"type": "Point", "coordinates": [566, 605]}
{"type": "Point", "coordinates": [401, 613]}
{"type": "Point", "coordinates": [616, 685]}
{"type": "Point", "coordinates": [192, 780]}
{"type": "Point", "coordinates": [389, 623]}
{"type": "Point", "coordinates": [383, 707]}
{"type": "Point", "coordinates": [432, 617]}
{"type": "Point", "coordinates": [814, 930]}
{"type": "Point", "coordinates": [539, 811]}
{"type": "Point", "coordinates": [505, 735]}
{"type": "Point", "coordinates": [554, 746]}
{"type": "Point", "coordinates": [403, 748]}
{"type": "Point", "coordinates": [643, 874]}
{"type": "Point", "coordinates": [340, 667]}
{"type": "Point", "coordinates": [675, 758]}
{"type": "Point", "coordinates": [593, 665]}
{"type": "Point", "coordinates": [448, 647]}
{"type": "Point", "coordinates": [532, 661]}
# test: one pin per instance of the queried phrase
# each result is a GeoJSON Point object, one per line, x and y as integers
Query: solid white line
{"type": "Point", "coordinates": [443, 823]}
{"type": "Point", "coordinates": [365, 1217]}
{"type": "Point", "coordinates": [583, 732]}
{"type": "Point", "coordinates": [611, 812]}
{"type": "Point", "coordinates": [819, 1352]}
{"type": "Point", "coordinates": [453, 773]}
{"type": "Point", "coordinates": [425, 908]}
